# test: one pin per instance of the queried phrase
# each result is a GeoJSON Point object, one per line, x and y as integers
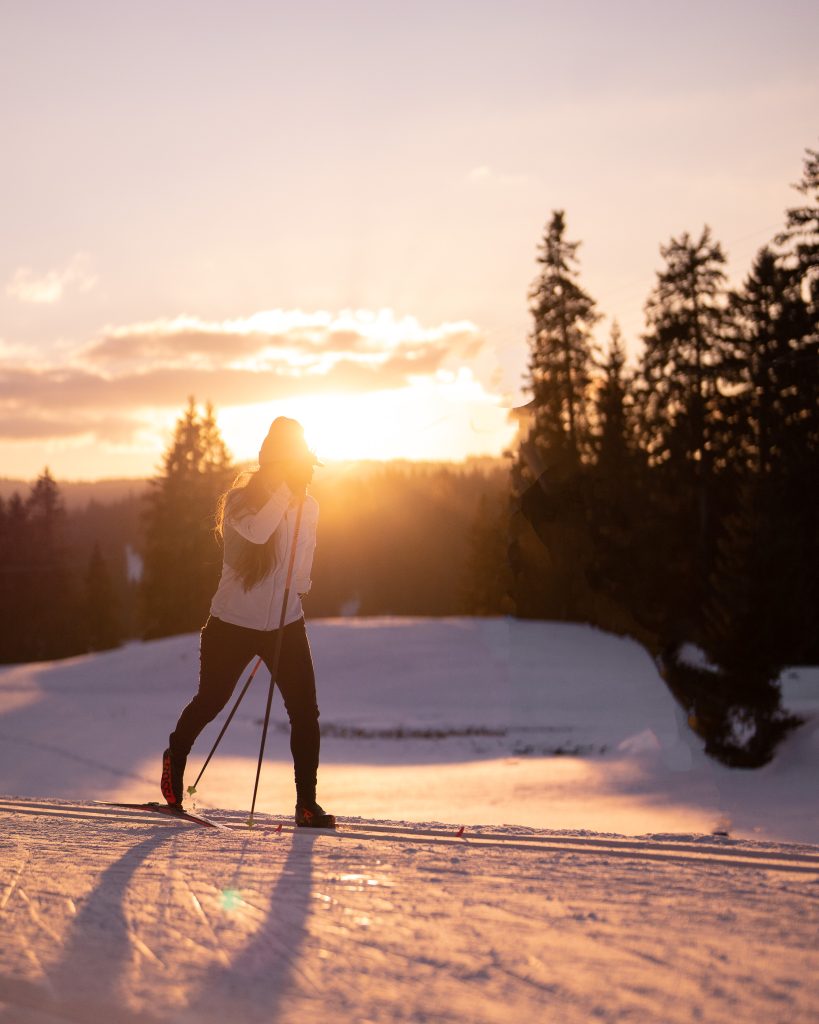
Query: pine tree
{"type": "Point", "coordinates": [684, 346]}
{"type": "Point", "coordinates": [800, 391]}
{"type": "Point", "coordinates": [561, 361]}
{"type": "Point", "coordinates": [762, 577]}
{"type": "Point", "coordinates": [37, 598]}
{"type": "Point", "coordinates": [801, 234]}
{"type": "Point", "coordinates": [615, 496]}
{"type": "Point", "coordinates": [763, 604]}
{"type": "Point", "coordinates": [801, 254]}
{"type": "Point", "coordinates": [59, 628]}
{"type": "Point", "coordinates": [548, 547]}
{"type": "Point", "coordinates": [182, 559]}
{"type": "Point", "coordinates": [678, 397]}
{"type": "Point", "coordinates": [772, 408]}
{"type": "Point", "coordinates": [615, 441]}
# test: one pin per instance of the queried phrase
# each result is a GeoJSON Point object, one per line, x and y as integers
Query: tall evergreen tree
{"type": "Point", "coordinates": [771, 412]}
{"type": "Point", "coordinates": [615, 440]}
{"type": "Point", "coordinates": [182, 559]}
{"type": "Point", "coordinates": [763, 572]}
{"type": "Point", "coordinates": [678, 396]}
{"type": "Point", "coordinates": [53, 594]}
{"type": "Point", "coordinates": [556, 437]}
{"type": "Point", "coordinates": [765, 597]}
{"type": "Point", "coordinates": [38, 605]}
{"type": "Point", "coordinates": [801, 253]}
{"type": "Point", "coordinates": [615, 495]}
{"type": "Point", "coordinates": [687, 321]}
{"type": "Point", "coordinates": [560, 361]}
{"type": "Point", "coordinates": [801, 234]}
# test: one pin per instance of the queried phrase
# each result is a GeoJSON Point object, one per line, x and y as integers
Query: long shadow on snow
{"type": "Point", "coordinates": [84, 984]}
{"type": "Point", "coordinates": [253, 986]}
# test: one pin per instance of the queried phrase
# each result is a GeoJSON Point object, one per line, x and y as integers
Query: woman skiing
{"type": "Point", "coordinates": [257, 521]}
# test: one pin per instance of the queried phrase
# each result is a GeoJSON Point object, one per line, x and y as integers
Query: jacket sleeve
{"type": "Point", "coordinates": [258, 527]}
{"type": "Point", "coordinates": [305, 549]}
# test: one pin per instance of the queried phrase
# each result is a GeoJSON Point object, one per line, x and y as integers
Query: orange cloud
{"type": "Point", "coordinates": [275, 338]}
{"type": "Point", "coordinates": [111, 385]}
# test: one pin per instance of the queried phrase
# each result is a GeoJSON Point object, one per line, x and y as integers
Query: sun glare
{"type": "Point", "coordinates": [448, 418]}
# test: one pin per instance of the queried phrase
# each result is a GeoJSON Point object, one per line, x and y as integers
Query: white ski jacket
{"type": "Point", "coordinates": [261, 606]}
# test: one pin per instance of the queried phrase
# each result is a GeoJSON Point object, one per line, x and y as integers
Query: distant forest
{"type": "Point", "coordinates": [84, 566]}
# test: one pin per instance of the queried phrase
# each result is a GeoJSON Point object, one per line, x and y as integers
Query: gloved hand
{"type": "Point", "coordinates": [272, 476]}
{"type": "Point", "coordinates": [298, 473]}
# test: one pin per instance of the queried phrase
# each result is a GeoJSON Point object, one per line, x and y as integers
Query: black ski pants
{"type": "Point", "coordinates": [224, 651]}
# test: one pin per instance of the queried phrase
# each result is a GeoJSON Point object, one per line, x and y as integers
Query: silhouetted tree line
{"type": "Point", "coordinates": [677, 501]}
{"type": "Point", "coordinates": [53, 601]}
{"type": "Point", "coordinates": [394, 539]}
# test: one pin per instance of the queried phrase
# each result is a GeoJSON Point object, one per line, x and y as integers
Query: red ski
{"type": "Point", "coordinates": [168, 811]}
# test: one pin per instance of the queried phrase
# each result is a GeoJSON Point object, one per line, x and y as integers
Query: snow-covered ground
{"type": "Point", "coordinates": [551, 743]}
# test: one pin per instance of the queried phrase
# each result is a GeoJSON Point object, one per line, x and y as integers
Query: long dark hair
{"type": "Point", "coordinates": [253, 562]}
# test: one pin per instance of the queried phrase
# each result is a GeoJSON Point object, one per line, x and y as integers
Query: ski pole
{"type": "Point", "coordinates": [274, 665]}
{"type": "Point", "coordinates": [192, 789]}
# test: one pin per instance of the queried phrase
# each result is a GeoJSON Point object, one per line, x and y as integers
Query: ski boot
{"type": "Point", "coordinates": [309, 814]}
{"type": "Point", "coordinates": [171, 783]}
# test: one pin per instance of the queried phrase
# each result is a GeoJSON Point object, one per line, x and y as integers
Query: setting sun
{"type": "Point", "coordinates": [448, 417]}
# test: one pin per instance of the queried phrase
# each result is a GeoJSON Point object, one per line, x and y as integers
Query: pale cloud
{"type": "Point", "coordinates": [46, 288]}
{"type": "Point", "coordinates": [116, 385]}
{"type": "Point", "coordinates": [283, 341]}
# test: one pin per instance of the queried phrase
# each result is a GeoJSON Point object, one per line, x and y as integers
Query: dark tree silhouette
{"type": "Point", "coordinates": [801, 234]}
{"type": "Point", "coordinates": [560, 361]}
{"type": "Point", "coordinates": [547, 537]}
{"type": "Point", "coordinates": [40, 616]}
{"type": "Point", "coordinates": [678, 394]}
{"type": "Point", "coordinates": [182, 559]}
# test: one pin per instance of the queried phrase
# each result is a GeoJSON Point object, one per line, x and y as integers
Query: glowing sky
{"type": "Point", "coordinates": [332, 210]}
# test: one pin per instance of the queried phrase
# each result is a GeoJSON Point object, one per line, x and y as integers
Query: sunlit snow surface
{"type": "Point", "coordinates": [544, 740]}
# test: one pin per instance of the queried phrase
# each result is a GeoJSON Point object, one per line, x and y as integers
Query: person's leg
{"type": "Point", "coordinates": [296, 680]}
{"type": "Point", "coordinates": [224, 650]}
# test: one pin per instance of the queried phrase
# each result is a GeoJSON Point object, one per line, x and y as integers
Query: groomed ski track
{"type": "Point", "coordinates": [690, 849]}
{"type": "Point", "coordinates": [126, 916]}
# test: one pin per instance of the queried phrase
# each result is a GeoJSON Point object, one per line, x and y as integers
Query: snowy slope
{"type": "Point", "coordinates": [566, 733]}
{"type": "Point", "coordinates": [453, 720]}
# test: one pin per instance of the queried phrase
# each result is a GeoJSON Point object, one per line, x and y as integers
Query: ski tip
{"type": "Point", "coordinates": [460, 831]}
{"type": "Point", "coordinates": [279, 827]}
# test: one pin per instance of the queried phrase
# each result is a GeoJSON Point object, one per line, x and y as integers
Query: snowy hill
{"type": "Point", "coordinates": [456, 720]}
{"type": "Point", "coordinates": [552, 744]}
